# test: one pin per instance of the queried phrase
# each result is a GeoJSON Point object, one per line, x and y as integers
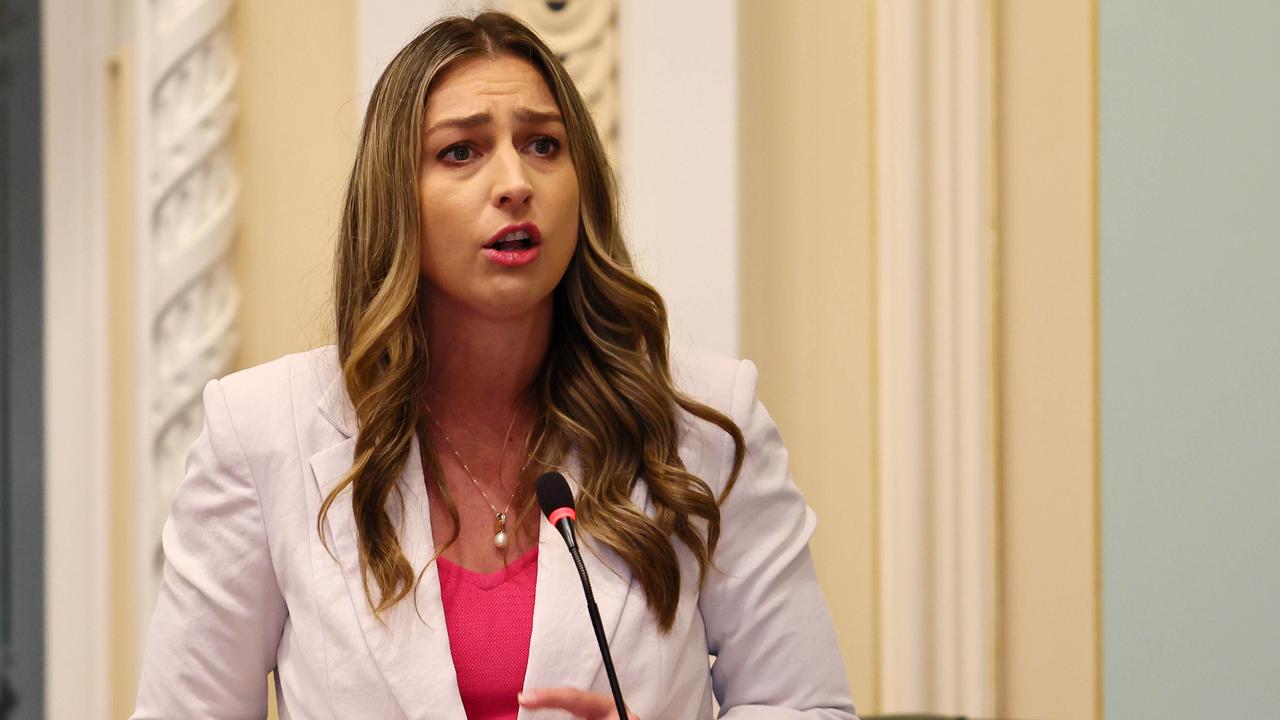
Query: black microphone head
{"type": "Point", "coordinates": [553, 492]}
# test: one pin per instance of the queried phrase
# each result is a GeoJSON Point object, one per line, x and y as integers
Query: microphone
{"type": "Point", "coordinates": [557, 504]}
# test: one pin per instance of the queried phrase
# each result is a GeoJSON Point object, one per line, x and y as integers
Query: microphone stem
{"type": "Point", "coordinates": [598, 626]}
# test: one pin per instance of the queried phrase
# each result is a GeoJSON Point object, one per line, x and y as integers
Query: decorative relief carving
{"type": "Point", "coordinates": [188, 298]}
{"type": "Point", "coordinates": [584, 35]}
{"type": "Point", "coordinates": [192, 108]}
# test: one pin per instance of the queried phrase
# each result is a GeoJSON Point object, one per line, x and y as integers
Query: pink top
{"type": "Point", "coordinates": [490, 618]}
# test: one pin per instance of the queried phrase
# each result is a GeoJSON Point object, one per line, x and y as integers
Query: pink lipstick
{"type": "Point", "coordinates": [514, 245]}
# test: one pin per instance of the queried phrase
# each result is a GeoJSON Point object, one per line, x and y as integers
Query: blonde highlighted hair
{"type": "Point", "coordinates": [605, 388]}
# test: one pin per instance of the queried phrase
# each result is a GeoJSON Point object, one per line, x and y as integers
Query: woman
{"type": "Point", "coordinates": [359, 518]}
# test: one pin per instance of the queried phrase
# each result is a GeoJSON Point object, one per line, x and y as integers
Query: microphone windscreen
{"type": "Point", "coordinates": [553, 492]}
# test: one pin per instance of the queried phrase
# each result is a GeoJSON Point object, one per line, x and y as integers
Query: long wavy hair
{"type": "Point", "coordinates": [604, 390]}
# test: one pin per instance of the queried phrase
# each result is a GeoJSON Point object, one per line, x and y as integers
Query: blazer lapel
{"type": "Point", "coordinates": [410, 645]}
{"type": "Point", "coordinates": [562, 646]}
{"type": "Point", "coordinates": [412, 648]}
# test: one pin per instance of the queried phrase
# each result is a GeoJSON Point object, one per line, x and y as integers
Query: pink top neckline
{"type": "Point", "coordinates": [488, 581]}
{"type": "Point", "coordinates": [489, 617]}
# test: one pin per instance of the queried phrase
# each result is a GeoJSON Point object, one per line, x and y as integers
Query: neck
{"type": "Point", "coordinates": [481, 366]}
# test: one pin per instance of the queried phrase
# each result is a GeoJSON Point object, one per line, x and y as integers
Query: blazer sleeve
{"type": "Point", "coordinates": [767, 623]}
{"type": "Point", "coordinates": [218, 620]}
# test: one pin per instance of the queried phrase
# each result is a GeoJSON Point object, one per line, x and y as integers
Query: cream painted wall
{"type": "Point", "coordinates": [295, 140]}
{"type": "Point", "coordinates": [807, 271]}
{"type": "Point", "coordinates": [678, 161]}
{"type": "Point", "coordinates": [1049, 412]}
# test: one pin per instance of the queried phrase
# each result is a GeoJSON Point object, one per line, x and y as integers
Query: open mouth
{"type": "Point", "coordinates": [515, 241]}
{"type": "Point", "coordinates": [521, 237]}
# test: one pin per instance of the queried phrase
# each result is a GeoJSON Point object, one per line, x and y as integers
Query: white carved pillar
{"type": "Point", "coordinates": [186, 191]}
{"type": "Point", "coordinates": [936, 332]}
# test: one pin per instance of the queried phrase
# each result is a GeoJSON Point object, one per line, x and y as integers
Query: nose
{"type": "Point", "coordinates": [511, 187]}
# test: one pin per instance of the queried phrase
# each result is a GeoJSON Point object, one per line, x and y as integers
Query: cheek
{"type": "Point", "coordinates": [568, 206]}
{"type": "Point", "coordinates": [428, 231]}
{"type": "Point", "coordinates": [441, 218]}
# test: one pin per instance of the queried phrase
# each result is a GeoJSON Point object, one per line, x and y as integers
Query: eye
{"type": "Point", "coordinates": [545, 146]}
{"type": "Point", "coordinates": [455, 153]}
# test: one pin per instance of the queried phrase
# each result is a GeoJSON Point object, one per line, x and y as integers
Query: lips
{"type": "Point", "coordinates": [514, 246]}
{"type": "Point", "coordinates": [520, 236]}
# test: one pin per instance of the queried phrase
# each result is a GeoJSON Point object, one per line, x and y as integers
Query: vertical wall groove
{"type": "Point", "coordinates": [935, 383]}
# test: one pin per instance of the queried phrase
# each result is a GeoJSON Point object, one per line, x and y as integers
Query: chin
{"type": "Point", "coordinates": [495, 294]}
{"type": "Point", "coordinates": [510, 303]}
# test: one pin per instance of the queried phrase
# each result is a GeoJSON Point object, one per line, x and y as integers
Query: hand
{"type": "Point", "coordinates": [584, 705]}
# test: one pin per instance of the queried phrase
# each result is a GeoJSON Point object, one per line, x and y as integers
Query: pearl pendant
{"type": "Point", "coordinates": [500, 530]}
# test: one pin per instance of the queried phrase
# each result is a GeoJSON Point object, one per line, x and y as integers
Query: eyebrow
{"type": "Point", "coordinates": [523, 114]}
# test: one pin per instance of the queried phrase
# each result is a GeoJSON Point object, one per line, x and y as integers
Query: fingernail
{"type": "Point", "coordinates": [523, 698]}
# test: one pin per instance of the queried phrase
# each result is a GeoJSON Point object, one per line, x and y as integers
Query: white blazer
{"type": "Point", "coordinates": [248, 586]}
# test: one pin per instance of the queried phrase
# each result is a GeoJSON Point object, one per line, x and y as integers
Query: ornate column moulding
{"type": "Point", "coordinates": [584, 35]}
{"type": "Point", "coordinates": [936, 384]}
{"type": "Point", "coordinates": [187, 298]}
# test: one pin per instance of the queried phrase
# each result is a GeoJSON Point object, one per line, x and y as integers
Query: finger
{"type": "Point", "coordinates": [581, 703]}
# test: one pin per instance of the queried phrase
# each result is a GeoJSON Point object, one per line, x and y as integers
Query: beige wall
{"type": "Point", "coordinates": [805, 154]}
{"type": "Point", "coordinates": [294, 143]}
{"type": "Point", "coordinates": [1048, 204]}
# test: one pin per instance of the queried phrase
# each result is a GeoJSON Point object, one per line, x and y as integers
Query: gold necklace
{"type": "Point", "coordinates": [500, 538]}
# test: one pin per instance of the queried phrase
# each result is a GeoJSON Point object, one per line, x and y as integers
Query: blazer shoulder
{"type": "Point", "coordinates": [708, 377]}
{"type": "Point", "coordinates": [263, 401]}
{"type": "Point", "coordinates": [271, 380]}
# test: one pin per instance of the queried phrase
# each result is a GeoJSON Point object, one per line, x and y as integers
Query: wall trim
{"type": "Point", "coordinates": [936, 338]}
{"type": "Point", "coordinates": [76, 38]}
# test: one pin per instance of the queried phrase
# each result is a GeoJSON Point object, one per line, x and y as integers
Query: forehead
{"type": "Point", "coordinates": [477, 83]}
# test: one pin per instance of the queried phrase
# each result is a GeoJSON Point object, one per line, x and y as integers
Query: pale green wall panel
{"type": "Point", "coordinates": [1190, 282]}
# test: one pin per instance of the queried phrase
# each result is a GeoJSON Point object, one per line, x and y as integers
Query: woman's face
{"type": "Point", "coordinates": [498, 191]}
